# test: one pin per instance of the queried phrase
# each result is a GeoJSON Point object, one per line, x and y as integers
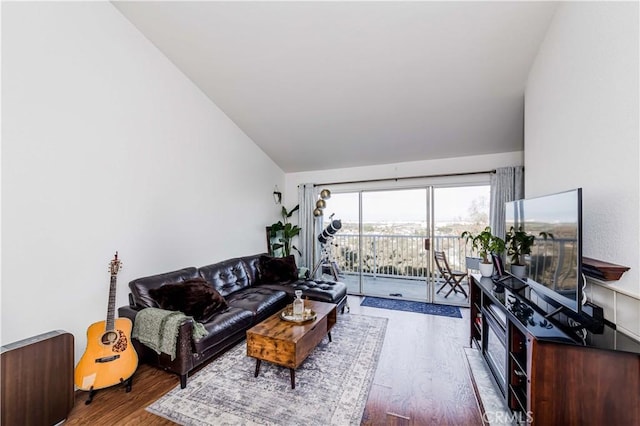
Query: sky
{"type": "Point", "coordinates": [407, 205]}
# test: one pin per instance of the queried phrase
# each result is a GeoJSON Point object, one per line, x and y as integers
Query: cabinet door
{"type": "Point", "coordinates": [580, 385]}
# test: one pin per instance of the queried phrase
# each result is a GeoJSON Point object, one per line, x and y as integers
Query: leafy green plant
{"type": "Point", "coordinates": [484, 243]}
{"type": "Point", "coordinates": [281, 233]}
{"type": "Point", "coordinates": [519, 244]}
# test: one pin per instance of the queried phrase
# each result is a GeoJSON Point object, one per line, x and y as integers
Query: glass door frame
{"type": "Point", "coordinates": [430, 279]}
{"type": "Point", "coordinates": [426, 295]}
{"type": "Point", "coordinates": [428, 263]}
{"type": "Point", "coordinates": [430, 185]}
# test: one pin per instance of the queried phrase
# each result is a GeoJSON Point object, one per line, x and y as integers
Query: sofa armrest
{"type": "Point", "coordinates": [185, 352]}
{"type": "Point", "coordinates": [184, 342]}
{"type": "Point", "coordinates": [128, 312]}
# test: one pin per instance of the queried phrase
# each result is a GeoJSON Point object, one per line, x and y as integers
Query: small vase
{"type": "Point", "coordinates": [518, 271]}
{"type": "Point", "coordinates": [486, 269]}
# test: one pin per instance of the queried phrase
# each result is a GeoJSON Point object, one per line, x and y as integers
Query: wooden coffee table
{"type": "Point", "coordinates": [287, 343]}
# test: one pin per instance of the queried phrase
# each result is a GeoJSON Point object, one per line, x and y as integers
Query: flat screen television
{"type": "Point", "coordinates": [555, 263]}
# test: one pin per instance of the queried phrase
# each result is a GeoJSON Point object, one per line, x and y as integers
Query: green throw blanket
{"type": "Point", "coordinates": [158, 329]}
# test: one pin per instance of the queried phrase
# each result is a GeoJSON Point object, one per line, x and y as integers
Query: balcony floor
{"type": "Point", "coordinates": [410, 289]}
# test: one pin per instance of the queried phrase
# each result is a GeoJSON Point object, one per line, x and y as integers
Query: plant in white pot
{"type": "Point", "coordinates": [485, 243]}
{"type": "Point", "coordinates": [519, 245]}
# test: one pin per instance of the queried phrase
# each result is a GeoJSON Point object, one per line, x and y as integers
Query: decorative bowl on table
{"type": "Point", "coordinates": [307, 315]}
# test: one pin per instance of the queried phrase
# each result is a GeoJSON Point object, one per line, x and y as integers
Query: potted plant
{"type": "Point", "coordinates": [519, 245]}
{"type": "Point", "coordinates": [282, 233]}
{"type": "Point", "coordinates": [485, 243]}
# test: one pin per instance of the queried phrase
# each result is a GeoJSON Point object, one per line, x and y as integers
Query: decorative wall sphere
{"type": "Point", "coordinates": [317, 212]}
{"type": "Point", "coordinates": [325, 194]}
{"type": "Point", "coordinates": [321, 204]}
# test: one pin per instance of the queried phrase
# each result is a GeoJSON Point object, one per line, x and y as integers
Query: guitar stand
{"type": "Point", "coordinates": [92, 392]}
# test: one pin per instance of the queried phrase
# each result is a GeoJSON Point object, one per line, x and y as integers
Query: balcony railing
{"type": "Point", "coordinates": [395, 255]}
{"type": "Point", "coordinates": [405, 256]}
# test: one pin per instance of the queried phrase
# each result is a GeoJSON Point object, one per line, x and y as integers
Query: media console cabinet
{"type": "Point", "coordinates": [551, 370]}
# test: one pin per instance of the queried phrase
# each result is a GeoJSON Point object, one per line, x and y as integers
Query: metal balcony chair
{"type": "Point", "coordinates": [451, 278]}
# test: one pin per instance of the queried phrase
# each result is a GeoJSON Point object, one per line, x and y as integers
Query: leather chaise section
{"type": "Point", "coordinates": [323, 291]}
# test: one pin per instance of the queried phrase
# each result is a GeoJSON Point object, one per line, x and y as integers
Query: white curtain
{"type": "Point", "coordinates": [507, 184]}
{"type": "Point", "coordinates": [311, 227]}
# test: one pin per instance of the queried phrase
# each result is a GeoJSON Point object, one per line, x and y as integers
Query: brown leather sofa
{"type": "Point", "coordinates": [250, 300]}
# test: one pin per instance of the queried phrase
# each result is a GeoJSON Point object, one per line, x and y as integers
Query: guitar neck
{"type": "Point", "coordinates": [112, 303]}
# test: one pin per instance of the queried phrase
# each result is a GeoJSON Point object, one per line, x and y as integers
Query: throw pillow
{"type": "Point", "coordinates": [195, 297]}
{"type": "Point", "coordinates": [278, 269]}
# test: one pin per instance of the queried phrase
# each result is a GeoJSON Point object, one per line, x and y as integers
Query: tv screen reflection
{"type": "Point", "coordinates": [554, 261]}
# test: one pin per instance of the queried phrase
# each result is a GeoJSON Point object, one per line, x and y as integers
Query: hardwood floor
{"type": "Point", "coordinates": [422, 379]}
{"type": "Point", "coordinates": [113, 406]}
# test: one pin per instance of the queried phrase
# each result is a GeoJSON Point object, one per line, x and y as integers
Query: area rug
{"type": "Point", "coordinates": [411, 306]}
{"type": "Point", "coordinates": [332, 385]}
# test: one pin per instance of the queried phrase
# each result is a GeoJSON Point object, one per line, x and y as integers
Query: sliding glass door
{"type": "Point", "coordinates": [380, 250]}
{"type": "Point", "coordinates": [456, 209]}
{"type": "Point", "coordinates": [387, 241]}
{"type": "Point", "coordinates": [394, 229]}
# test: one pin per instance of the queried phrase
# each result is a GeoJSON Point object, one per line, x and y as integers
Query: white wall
{"type": "Point", "coordinates": [581, 130]}
{"type": "Point", "coordinates": [107, 146]}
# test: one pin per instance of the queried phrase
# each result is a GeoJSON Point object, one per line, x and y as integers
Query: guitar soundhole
{"type": "Point", "coordinates": [116, 339]}
{"type": "Point", "coordinates": [109, 338]}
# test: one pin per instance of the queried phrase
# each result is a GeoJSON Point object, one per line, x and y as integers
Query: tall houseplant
{"type": "Point", "coordinates": [485, 243]}
{"type": "Point", "coordinates": [281, 233]}
{"type": "Point", "coordinates": [519, 245]}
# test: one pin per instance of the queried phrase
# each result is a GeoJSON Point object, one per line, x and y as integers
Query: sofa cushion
{"type": "Point", "coordinates": [262, 302]}
{"type": "Point", "coordinates": [252, 265]}
{"type": "Point", "coordinates": [227, 276]}
{"type": "Point", "coordinates": [193, 297]}
{"type": "Point", "coordinates": [278, 269]}
{"type": "Point", "coordinates": [226, 323]}
{"type": "Point", "coordinates": [140, 287]}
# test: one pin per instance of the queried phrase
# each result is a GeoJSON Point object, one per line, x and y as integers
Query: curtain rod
{"type": "Point", "coordinates": [406, 178]}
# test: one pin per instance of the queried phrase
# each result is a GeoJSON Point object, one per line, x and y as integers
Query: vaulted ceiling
{"type": "Point", "coordinates": [320, 85]}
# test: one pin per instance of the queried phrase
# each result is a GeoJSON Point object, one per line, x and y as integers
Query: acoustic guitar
{"type": "Point", "coordinates": [109, 358]}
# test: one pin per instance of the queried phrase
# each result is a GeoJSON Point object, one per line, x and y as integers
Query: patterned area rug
{"type": "Point", "coordinates": [411, 306]}
{"type": "Point", "coordinates": [332, 385]}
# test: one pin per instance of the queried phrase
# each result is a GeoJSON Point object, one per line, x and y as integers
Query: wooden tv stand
{"type": "Point", "coordinates": [549, 373]}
